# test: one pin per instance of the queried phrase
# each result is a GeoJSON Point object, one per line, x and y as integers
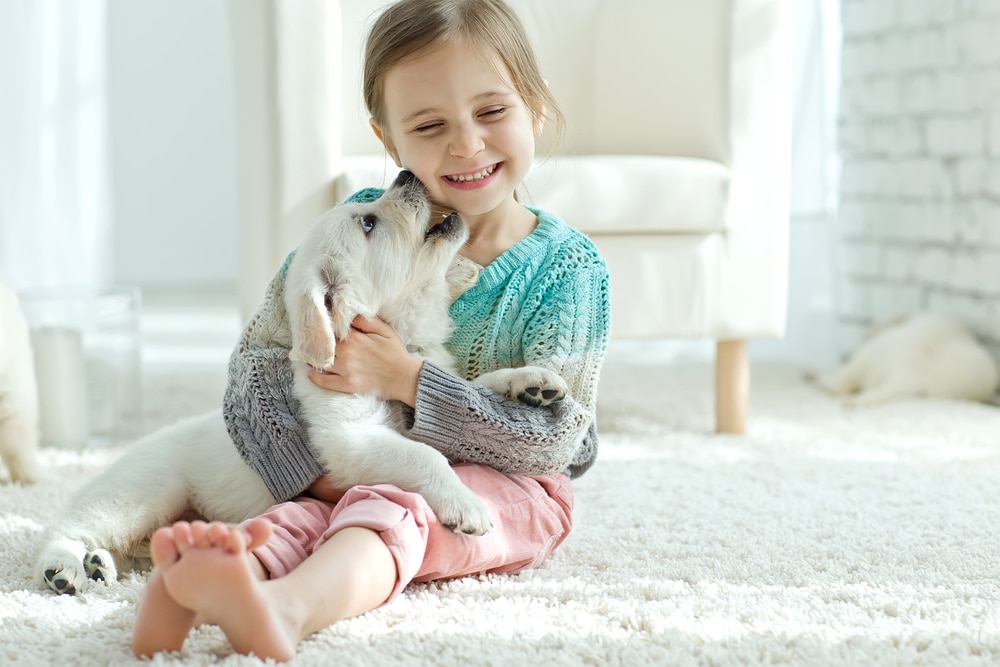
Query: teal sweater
{"type": "Point", "coordinates": [544, 302]}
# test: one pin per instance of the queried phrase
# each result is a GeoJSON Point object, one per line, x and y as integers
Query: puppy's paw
{"type": "Point", "coordinates": [459, 509]}
{"type": "Point", "coordinates": [531, 385]}
{"type": "Point", "coordinates": [61, 567]}
{"type": "Point", "coordinates": [100, 566]}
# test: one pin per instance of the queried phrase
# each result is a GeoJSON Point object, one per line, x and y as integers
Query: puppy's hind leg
{"type": "Point", "coordinates": [112, 514]}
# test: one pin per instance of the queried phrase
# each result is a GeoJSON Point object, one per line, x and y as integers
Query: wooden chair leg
{"type": "Point", "coordinates": [732, 385]}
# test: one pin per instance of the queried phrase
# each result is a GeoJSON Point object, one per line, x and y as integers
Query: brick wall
{"type": "Point", "coordinates": [919, 139]}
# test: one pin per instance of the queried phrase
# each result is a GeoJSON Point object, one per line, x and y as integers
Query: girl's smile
{"type": "Point", "coordinates": [473, 180]}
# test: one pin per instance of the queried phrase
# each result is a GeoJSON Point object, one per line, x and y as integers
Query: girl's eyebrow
{"type": "Point", "coordinates": [491, 94]}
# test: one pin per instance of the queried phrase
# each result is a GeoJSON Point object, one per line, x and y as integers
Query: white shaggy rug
{"type": "Point", "coordinates": [824, 537]}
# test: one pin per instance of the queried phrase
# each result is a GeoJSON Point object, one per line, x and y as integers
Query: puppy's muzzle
{"type": "Point", "coordinates": [447, 228]}
{"type": "Point", "coordinates": [404, 178]}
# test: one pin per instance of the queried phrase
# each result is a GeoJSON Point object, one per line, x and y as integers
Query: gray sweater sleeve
{"type": "Point", "coordinates": [470, 423]}
{"type": "Point", "coordinates": [262, 414]}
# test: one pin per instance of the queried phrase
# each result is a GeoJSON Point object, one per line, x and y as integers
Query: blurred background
{"type": "Point", "coordinates": [118, 154]}
{"type": "Point", "coordinates": [118, 168]}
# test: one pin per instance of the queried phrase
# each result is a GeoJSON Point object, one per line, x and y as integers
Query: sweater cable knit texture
{"type": "Point", "coordinates": [544, 302]}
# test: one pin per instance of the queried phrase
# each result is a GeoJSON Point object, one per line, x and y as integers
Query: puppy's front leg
{"type": "Point", "coordinates": [380, 455]}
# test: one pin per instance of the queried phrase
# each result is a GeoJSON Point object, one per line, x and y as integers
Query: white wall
{"type": "Point", "coordinates": [920, 141]}
{"type": "Point", "coordinates": [172, 143]}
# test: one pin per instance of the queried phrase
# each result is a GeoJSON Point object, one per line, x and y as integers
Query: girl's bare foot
{"type": "Point", "coordinates": [211, 574]}
{"type": "Point", "coordinates": [162, 623]}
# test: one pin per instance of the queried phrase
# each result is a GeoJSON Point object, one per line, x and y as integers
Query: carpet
{"type": "Point", "coordinates": [822, 537]}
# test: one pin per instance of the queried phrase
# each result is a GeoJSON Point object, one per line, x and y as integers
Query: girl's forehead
{"type": "Point", "coordinates": [451, 60]}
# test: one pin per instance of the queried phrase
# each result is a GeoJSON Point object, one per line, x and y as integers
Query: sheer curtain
{"type": "Point", "coordinates": [815, 171]}
{"type": "Point", "coordinates": [55, 217]}
{"type": "Point", "coordinates": [811, 334]}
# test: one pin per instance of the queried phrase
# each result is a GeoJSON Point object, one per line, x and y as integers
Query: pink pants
{"type": "Point", "coordinates": [531, 516]}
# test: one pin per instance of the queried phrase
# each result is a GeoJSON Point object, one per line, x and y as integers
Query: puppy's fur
{"type": "Point", "coordinates": [929, 355]}
{"type": "Point", "coordinates": [18, 392]}
{"type": "Point", "coordinates": [386, 259]}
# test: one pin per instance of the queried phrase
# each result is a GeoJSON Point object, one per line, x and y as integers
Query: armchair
{"type": "Point", "coordinates": [675, 161]}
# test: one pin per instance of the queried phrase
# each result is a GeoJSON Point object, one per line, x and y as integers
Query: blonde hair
{"type": "Point", "coordinates": [409, 26]}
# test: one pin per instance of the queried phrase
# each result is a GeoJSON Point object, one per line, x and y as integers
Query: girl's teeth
{"type": "Point", "coordinates": [473, 177]}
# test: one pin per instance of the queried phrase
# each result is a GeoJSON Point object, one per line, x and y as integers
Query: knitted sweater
{"type": "Point", "coordinates": [544, 302]}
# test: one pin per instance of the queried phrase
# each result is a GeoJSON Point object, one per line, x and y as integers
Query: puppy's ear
{"type": "Point", "coordinates": [313, 339]}
{"type": "Point", "coordinates": [342, 309]}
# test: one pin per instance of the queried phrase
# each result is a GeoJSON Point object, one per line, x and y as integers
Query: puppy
{"type": "Point", "coordinates": [387, 258]}
{"type": "Point", "coordinates": [923, 355]}
{"type": "Point", "coordinates": [18, 393]}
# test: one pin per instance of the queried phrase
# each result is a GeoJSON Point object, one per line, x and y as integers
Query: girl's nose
{"type": "Point", "coordinates": [466, 142]}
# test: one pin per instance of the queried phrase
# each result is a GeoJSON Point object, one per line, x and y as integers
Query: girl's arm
{"type": "Point", "coordinates": [463, 420]}
{"type": "Point", "coordinates": [262, 414]}
{"type": "Point", "coordinates": [567, 334]}
{"type": "Point", "coordinates": [467, 422]}
{"type": "Point", "coordinates": [470, 423]}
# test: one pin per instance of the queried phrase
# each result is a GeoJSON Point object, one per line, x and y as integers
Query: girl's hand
{"type": "Point", "coordinates": [374, 361]}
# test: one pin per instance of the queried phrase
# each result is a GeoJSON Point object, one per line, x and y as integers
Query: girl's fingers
{"type": "Point", "coordinates": [371, 325]}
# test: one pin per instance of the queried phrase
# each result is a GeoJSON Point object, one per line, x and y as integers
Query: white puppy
{"type": "Point", "coordinates": [18, 392]}
{"type": "Point", "coordinates": [386, 259]}
{"type": "Point", "coordinates": [924, 355]}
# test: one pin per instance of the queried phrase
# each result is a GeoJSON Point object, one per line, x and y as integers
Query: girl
{"type": "Point", "coordinates": [456, 97]}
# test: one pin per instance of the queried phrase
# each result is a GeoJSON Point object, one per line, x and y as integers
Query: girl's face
{"type": "Point", "coordinates": [460, 126]}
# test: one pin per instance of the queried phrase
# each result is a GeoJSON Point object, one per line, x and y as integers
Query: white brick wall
{"type": "Point", "coordinates": [919, 127]}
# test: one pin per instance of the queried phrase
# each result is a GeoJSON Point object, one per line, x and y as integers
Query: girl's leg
{"type": "Point", "coordinates": [349, 574]}
{"type": "Point", "coordinates": [531, 517]}
{"type": "Point", "coordinates": [371, 545]}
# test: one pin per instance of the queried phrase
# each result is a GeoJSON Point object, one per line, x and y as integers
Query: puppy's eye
{"type": "Point", "coordinates": [368, 223]}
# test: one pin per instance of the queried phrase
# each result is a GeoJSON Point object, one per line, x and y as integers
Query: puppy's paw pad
{"type": "Point", "coordinates": [461, 511]}
{"type": "Point", "coordinates": [466, 529]}
{"type": "Point", "coordinates": [61, 581]}
{"type": "Point", "coordinates": [61, 566]}
{"type": "Point", "coordinates": [541, 395]}
{"type": "Point", "coordinates": [100, 566]}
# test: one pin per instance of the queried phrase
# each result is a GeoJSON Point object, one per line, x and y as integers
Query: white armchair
{"type": "Point", "coordinates": [675, 161]}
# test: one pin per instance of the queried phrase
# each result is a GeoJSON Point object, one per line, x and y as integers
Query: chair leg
{"type": "Point", "coordinates": [732, 384]}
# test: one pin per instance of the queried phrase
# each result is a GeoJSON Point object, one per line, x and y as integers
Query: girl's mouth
{"type": "Point", "coordinates": [473, 180]}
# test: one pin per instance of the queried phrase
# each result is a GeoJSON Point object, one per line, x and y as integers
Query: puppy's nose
{"type": "Point", "coordinates": [405, 178]}
{"type": "Point", "coordinates": [449, 223]}
{"type": "Point", "coordinates": [445, 227]}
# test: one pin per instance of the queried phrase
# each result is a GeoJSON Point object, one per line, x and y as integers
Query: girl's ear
{"type": "Point", "coordinates": [386, 141]}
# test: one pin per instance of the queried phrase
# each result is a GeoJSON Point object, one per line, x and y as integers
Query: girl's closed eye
{"type": "Point", "coordinates": [426, 128]}
{"type": "Point", "coordinates": [493, 113]}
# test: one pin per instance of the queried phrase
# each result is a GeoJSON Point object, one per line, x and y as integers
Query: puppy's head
{"type": "Point", "coordinates": [366, 259]}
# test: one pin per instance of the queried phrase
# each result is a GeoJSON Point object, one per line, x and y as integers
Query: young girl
{"type": "Point", "coordinates": [456, 97]}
